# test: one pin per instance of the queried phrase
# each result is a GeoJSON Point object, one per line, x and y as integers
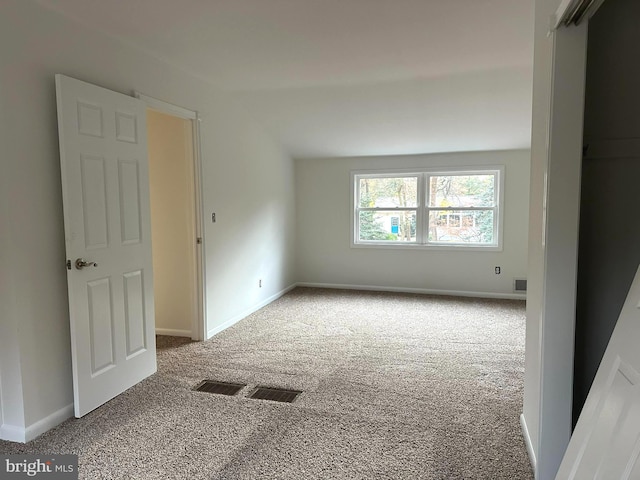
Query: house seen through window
{"type": "Point", "coordinates": [428, 208]}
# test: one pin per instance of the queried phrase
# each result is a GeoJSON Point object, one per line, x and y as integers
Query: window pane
{"type": "Point", "coordinates": [451, 226]}
{"type": "Point", "coordinates": [461, 191]}
{"type": "Point", "coordinates": [388, 192]}
{"type": "Point", "coordinates": [387, 225]}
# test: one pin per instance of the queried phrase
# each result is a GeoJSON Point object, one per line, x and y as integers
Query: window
{"type": "Point", "coordinates": [454, 208]}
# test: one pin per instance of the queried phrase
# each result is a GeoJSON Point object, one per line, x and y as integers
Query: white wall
{"type": "Point", "coordinates": [12, 419]}
{"type": "Point", "coordinates": [247, 180]}
{"type": "Point", "coordinates": [324, 254]}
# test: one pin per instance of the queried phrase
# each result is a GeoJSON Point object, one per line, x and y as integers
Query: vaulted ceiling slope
{"type": "Point", "coordinates": [348, 77]}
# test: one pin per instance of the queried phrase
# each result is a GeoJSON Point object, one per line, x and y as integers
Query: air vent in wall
{"type": "Point", "coordinates": [520, 285]}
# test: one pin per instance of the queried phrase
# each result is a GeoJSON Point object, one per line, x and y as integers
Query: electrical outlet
{"type": "Point", "coordinates": [497, 270]}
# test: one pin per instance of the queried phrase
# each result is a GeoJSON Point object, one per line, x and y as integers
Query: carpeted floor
{"type": "Point", "coordinates": [395, 386]}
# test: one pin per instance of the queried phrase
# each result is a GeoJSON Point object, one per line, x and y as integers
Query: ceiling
{"type": "Point", "coordinates": [348, 77]}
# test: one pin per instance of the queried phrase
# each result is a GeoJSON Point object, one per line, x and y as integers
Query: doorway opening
{"type": "Point", "coordinates": [609, 244]}
{"type": "Point", "coordinates": [176, 227]}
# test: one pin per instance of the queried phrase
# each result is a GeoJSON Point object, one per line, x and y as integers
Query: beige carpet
{"type": "Point", "coordinates": [395, 386]}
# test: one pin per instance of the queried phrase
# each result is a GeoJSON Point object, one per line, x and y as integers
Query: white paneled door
{"type": "Point", "coordinates": [105, 187]}
{"type": "Point", "coordinates": [606, 442]}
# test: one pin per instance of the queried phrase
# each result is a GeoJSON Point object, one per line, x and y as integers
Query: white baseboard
{"type": "Point", "coordinates": [172, 332]}
{"type": "Point", "coordinates": [527, 441]}
{"type": "Point", "coordinates": [249, 311]}
{"type": "Point", "coordinates": [12, 433]}
{"type": "Point", "coordinates": [379, 288]}
{"type": "Point", "coordinates": [47, 423]}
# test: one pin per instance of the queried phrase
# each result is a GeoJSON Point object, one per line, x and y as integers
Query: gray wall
{"type": "Point", "coordinates": [609, 223]}
{"type": "Point", "coordinates": [325, 256]}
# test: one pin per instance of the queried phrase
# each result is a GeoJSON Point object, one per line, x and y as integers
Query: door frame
{"type": "Point", "coordinates": [561, 213]}
{"type": "Point", "coordinates": [560, 237]}
{"type": "Point", "coordinates": [198, 324]}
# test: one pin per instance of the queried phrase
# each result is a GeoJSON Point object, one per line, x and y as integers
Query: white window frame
{"type": "Point", "coordinates": [422, 208]}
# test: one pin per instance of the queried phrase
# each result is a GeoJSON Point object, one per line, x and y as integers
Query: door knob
{"type": "Point", "coordinates": [81, 263]}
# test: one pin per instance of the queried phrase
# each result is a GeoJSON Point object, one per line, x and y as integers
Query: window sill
{"type": "Point", "coordinates": [432, 247]}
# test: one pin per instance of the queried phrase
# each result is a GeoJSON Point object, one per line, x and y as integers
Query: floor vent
{"type": "Point", "coordinates": [221, 388]}
{"type": "Point", "coordinates": [275, 394]}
